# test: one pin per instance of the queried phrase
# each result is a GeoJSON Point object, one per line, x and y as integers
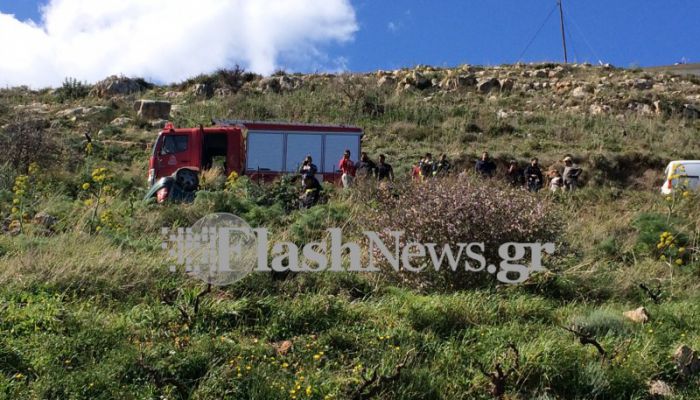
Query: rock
{"type": "Point", "coordinates": [541, 73]}
{"type": "Point", "coordinates": [152, 109]}
{"type": "Point", "coordinates": [457, 82]}
{"type": "Point", "coordinates": [689, 111]}
{"type": "Point", "coordinates": [487, 85]}
{"type": "Point", "coordinates": [71, 112]}
{"type": "Point", "coordinates": [581, 92]}
{"type": "Point", "coordinates": [202, 90]}
{"type": "Point", "coordinates": [44, 220]}
{"type": "Point", "coordinates": [288, 83]}
{"type": "Point", "coordinates": [121, 122]}
{"type": "Point", "coordinates": [283, 347]}
{"type": "Point", "coordinates": [659, 388]}
{"type": "Point", "coordinates": [507, 85]}
{"type": "Point", "coordinates": [33, 108]}
{"type": "Point", "coordinates": [386, 81]}
{"type": "Point", "coordinates": [598, 109]}
{"type": "Point", "coordinates": [157, 123]}
{"type": "Point", "coordinates": [172, 94]}
{"type": "Point", "coordinates": [223, 92]}
{"type": "Point", "coordinates": [117, 86]}
{"type": "Point", "coordinates": [640, 315]}
{"type": "Point", "coordinates": [642, 84]}
{"type": "Point", "coordinates": [686, 360]}
{"type": "Point", "coordinates": [270, 84]}
{"type": "Point", "coordinates": [419, 80]}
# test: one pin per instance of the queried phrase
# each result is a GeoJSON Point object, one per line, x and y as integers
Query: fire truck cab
{"type": "Point", "coordinates": [261, 150]}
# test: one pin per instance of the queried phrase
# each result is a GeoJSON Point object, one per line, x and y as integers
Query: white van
{"type": "Point", "coordinates": [681, 174]}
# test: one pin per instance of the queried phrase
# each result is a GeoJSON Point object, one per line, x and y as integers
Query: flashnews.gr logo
{"type": "Point", "coordinates": [222, 248]}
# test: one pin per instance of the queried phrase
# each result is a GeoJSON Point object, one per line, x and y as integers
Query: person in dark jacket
{"type": "Point", "coordinates": [426, 166]}
{"type": "Point", "coordinates": [308, 167]}
{"type": "Point", "coordinates": [366, 168]}
{"type": "Point", "coordinates": [384, 169]}
{"type": "Point", "coordinates": [514, 174]}
{"type": "Point", "coordinates": [310, 191]}
{"type": "Point", "coordinates": [442, 167]}
{"type": "Point", "coordinates": [533, 176]}
{"type": "Point", "coordinates": [485, 167]}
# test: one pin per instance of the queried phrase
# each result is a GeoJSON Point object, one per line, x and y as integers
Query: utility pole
{"type": "Point", "coordinates": [563, 34]}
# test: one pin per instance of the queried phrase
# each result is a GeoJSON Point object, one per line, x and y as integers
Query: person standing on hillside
{"type": "Point", "coordinates": [485, 167]}
{"type": "Point", "coordinates": [311, 191]}
{"type": "Point", "coordinates": [384, 169]}
{"type": "Point", "coordinates": [442, 167]}
{"type": "Point", "coordinates": [366, 168]}
{"type": "Point", "coordinates": [514, 174]}
{"type": "Point", "coordinates": [347, 167]}
{"type": "Point", "coordinates": [571, 174]}
{"type": "Point", "coordinates": [426, 166]}
{"type": "Point", "coordinates": [308, 167]}
{"type": "Point", "coordinates": [533, 176]}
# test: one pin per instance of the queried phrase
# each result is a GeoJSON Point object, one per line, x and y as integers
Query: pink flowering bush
{"type": "Point", "coordinates": [461, 210]}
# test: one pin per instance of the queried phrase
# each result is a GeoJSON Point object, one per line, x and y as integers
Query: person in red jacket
{"type": "Point", "coordinates": [347, 167]}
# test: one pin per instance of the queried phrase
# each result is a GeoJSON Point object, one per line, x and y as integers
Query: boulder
{"type": "Point", "coordinates": [581, 92]}
{"type": "Point", "coordinates": [541, 73]}
{"type": "Point", "coordinates": [120, 122]}
{"type": "Point", "coordinates": [642, 84]}
{"type": "Point", "coordinates": [152, 109]}
{"type": "Point", "coordinates": [203, 90]}
{"type": "Point", "coordinates": [639, 315]}
{"type": "Point", "coordinates": [689, 111]}
{"type": "Point", "coordinates": [598, 109]}
{"type": "Point", "coordinates": [419, 80]}
{"type": "Point", "coordinates": [386, 81]}
{"type": "Point", "coordinates": [487, 85]}
{"type": "Point", "coordinates": [686, 360]}
{"type": "Point", "coordinates": [117, 86]}
{"type": "Point", "coordinates": [660, 389]}
{"type": "Point", "coordinates": [44, 220]}
{"type": "Point", "coordinates": [507, 85]}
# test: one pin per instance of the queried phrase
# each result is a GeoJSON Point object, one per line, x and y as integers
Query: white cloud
{"type": "Point", "coordinates": [167, 40]}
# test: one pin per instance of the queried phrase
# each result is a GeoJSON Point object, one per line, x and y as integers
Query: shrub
{"type": "Point", "coordinates": [27, 140]}
{"type": "Point", "coordinates": [462, 210]}
{"type": "Point", "coordinates": [72, 89]}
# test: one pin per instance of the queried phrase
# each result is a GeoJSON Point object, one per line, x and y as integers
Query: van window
{"type": "Point", "coordinates": [301, 145]}
{"type": "Point", "coordinates": [174, 144]}
{"type": "Point", "coordinates": [336, 146]}
{"type": "Point", "coordinates": [265, 152]}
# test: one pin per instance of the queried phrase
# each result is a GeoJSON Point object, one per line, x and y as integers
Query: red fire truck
{"type": "Point", "coordinates": [261, 150]}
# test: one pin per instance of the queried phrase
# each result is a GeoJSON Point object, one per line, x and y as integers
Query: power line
{"type": "Point", "coordinates": [537, 33]}
{"type": "Point", "coordinates": [580, 32]}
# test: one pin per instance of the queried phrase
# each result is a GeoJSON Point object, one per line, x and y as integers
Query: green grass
{"type": "Point", "coordinates": [95, 314]}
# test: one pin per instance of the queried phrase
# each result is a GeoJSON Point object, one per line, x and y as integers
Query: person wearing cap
{"type": "Point", "coordinates": [571, 174]}
{"type": "Point", "coordinates": [347, 167]}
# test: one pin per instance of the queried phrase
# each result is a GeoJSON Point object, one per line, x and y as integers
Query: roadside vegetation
{"type": "Point", "coordinates": [89, 309]}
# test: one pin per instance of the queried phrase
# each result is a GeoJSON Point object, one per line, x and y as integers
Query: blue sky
{"type": "Point", "coordinates": [398, 33]}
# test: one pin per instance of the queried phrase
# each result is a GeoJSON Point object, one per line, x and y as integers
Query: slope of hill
{"type": "Point", "coordinates": [89, 309]}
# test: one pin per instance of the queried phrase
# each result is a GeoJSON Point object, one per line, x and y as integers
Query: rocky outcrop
{"type": "Point", "coordinates": [117, 86]}
{"type": "Point", "coordinates": [153, 109]}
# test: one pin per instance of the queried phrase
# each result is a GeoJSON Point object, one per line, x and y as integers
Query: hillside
{"type": "Point", "coordinates": [88, 308]}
